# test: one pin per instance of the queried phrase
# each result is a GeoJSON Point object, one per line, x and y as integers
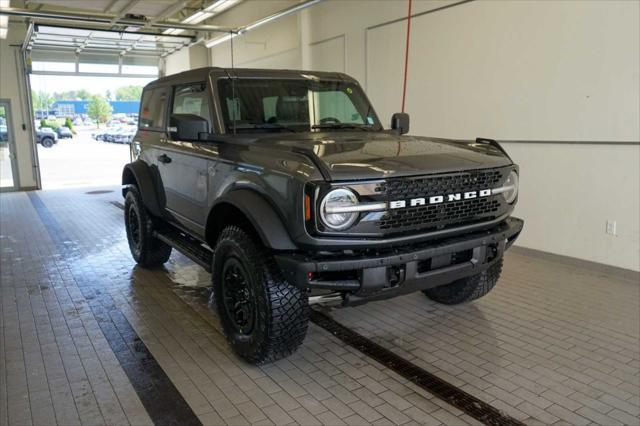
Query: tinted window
{"type": "Point", "coordinates": [251, 105]}
{"type": "Point", "coordinates": [152, 109]}
{"type": "Point", "coordinates": [192, 99]}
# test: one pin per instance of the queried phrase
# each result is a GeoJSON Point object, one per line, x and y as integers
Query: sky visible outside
{"type": "Point", "coordinates": [95, 85]}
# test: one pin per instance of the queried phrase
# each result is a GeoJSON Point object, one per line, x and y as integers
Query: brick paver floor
{"type": "Point", "coordinates": [552, 344]}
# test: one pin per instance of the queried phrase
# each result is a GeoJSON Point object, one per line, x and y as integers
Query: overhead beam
{"type": "Point", "coordinates": [108, 20]}
{"type": "Point", "coordinates": [110, 6]}
{"type": "Point", "coordinates": [125, 10]}
{"type": "Point", "coordinates": [168, 12]}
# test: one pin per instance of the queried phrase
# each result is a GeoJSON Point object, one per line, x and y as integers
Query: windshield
{"type": "Point", "coordinates": [259, 105]}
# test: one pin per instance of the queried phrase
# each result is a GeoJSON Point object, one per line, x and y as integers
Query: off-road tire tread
{"type": "Point", "coordinates": [287, 316]}
{"type": "Point", "coordinates": [154, 251]}
{"type": "Point", "coordinates": [466, 289]}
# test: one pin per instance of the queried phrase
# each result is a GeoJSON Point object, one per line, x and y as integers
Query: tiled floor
{"type": "Point", "coordinates": [86, 337]}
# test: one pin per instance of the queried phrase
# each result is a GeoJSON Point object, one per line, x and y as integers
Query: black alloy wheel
{"type": "Point", "coordinates": [238, 297]}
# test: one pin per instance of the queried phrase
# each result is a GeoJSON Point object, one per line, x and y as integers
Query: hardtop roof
{"type": "Point", "coordinates": [200, 74]}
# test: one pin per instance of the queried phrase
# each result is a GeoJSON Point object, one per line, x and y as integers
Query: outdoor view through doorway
{"type": "Point", "coordinates": [84, 126]}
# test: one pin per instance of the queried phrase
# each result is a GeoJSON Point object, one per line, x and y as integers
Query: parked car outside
{"type": "Point", "coordinates": [4, 134]}
{"type": "Point", "coordinates": [64, 132]}
{"type": "Point", "coordinates": [98, 134]}
{"type": "Point", "coordinates": [126, 136]}
{"type": "Point", "coordinates": [110, 135]}
{"type": "Point", "coordinates": [46, 137]}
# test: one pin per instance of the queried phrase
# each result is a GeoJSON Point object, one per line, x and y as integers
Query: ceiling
{"type": "Point", "coordinates": [111, 43]}
{"type": "Point", "coordinates": [151, 9]}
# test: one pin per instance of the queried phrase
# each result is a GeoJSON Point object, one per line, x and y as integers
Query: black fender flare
{"type": "Point", "coordinates": [262, 216]}
{"type": "Point", "coordinates": [138, 173]}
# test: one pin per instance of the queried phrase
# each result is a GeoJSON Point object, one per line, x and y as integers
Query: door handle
{"type": "Point", "coordinates": [164, 158]}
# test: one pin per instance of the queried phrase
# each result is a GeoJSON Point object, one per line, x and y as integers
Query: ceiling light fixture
{"type": "Point", "coordinates": [213, 9]}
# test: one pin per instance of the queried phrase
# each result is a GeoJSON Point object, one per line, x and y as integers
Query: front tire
{"type": "Point", "coordinates": [147, 250]}
{"type": "Point", "coordinates": [47, 142]}
{"type": "Point", "coordinates": [466, 289]}
{"type": "Point", "coordinates": [263, 316]}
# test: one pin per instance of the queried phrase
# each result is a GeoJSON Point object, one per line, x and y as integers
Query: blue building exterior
{"type": "Point", "coordinates": [71, 108]}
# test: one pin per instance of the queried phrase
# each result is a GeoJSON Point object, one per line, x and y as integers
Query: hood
{"type": "Point", "coordinates": [368, 155]}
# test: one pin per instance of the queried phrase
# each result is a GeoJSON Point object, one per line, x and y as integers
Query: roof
{"type": "Point", "coordinates": [200, 74]}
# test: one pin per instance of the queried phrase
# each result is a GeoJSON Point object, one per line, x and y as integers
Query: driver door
{"type": "Point", "coordinates": [183, 164]}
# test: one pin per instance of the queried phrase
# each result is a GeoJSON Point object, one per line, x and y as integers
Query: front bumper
{"type": "Point", "coordinates": [401, 270]}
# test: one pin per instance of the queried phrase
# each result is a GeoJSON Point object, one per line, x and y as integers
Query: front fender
{"type": "Point", "coordinates": [261, 215]}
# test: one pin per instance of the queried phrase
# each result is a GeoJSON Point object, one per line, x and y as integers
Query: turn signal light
{"type": "Point", "coordinates": [307, 208]}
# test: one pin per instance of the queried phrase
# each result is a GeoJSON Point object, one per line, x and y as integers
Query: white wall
{"type": "Point", "coordinates": [272, 46]}
{"type": "Point", "coordinates": [549, 71]}
{"type": "Point", "coordinates": [12, 87]}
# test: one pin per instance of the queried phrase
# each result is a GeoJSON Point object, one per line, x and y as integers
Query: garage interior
{"type": "Point", "coordinates": [89, 337]}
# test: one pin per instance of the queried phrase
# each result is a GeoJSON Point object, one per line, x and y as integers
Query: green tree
{"type": "Point", "coordinates": [41, 100]}
{"type": "Point", "coordinates": [83, 94]}
{"type": "Point", "coordinates": [99, 109]}
{"type": "Point", "coordinates": [68, 123]}
{"type": "Point", "coordinates": [72, 95]}
{"type": "Point", "coordinates": [128, 93]}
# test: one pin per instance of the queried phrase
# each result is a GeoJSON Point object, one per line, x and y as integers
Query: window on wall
{"type": "Point", "coordinates": [192, 99]}
{"type": "Point", "coordinates": [152, 109]}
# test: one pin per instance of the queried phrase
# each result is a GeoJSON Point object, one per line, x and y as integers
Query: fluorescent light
{"type": "Point", "coordinates": [202, 15]}
{"type": "Point", "coordinates": [216, 41]}
{"type": "Point", "coordinates": [173, 31]}
{"type": "Point", "coordinates": [4, 21]}
{"type": "Point", "coordinates": [220, 5]}
{"type": "Point", "coordinates": [197, 17]}
{"type": "Point", "coordinates": [4, 3]}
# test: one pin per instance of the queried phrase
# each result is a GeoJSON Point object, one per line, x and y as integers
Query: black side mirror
{"type": "Point", "coordinates": [400, 122]}
{"type": "Point", "coordinates": [188, 127]}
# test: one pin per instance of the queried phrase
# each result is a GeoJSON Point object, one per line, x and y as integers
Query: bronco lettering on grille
{"type": "Point", "coordinates": [438, 199]}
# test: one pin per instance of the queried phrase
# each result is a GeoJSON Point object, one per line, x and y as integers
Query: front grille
{"type": "Point", "coordinates": [445, 215]}
{"type": "Point", "coordinates": [441, 215]}
{"type": "Point", "coordinates": [397, 189]}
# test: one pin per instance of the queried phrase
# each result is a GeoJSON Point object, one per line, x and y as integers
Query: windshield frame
{"type": "Point", "coordinates": [228, 128]}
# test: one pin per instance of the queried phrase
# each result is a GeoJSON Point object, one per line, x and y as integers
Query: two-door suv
{"type": "Point", "coordinates": [286, 187]}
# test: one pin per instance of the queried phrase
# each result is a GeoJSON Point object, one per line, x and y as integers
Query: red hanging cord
{"type": "Point", "coordinates": [406, 57]}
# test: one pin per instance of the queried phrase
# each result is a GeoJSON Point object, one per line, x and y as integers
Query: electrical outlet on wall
{"type": "Point", "coordinates": [611, 227]}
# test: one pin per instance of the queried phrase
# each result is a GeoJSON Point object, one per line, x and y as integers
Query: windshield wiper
{"type": "Point", "coordinates": [266, 126]}
{"type": "Point", "coordinates": [363, 127]}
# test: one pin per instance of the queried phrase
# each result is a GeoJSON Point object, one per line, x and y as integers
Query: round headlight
{"type": "Point", "coordinates": [511, 187]}
{"type": "Point", "coordinates": [330, 209]}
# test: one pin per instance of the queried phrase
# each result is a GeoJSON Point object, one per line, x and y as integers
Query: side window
{"type": "Point", "coordinates": [191, 99]}
{"type": "Point", "coordinates": [152, 110]}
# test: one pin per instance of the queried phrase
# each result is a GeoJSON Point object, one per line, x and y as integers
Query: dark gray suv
{"type": "Point", "coordinates": [286, 187]}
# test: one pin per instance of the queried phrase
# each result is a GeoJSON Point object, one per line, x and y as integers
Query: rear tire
{"type": "Point", "coordinates": [466, 289]}
{"type": "Point", "coordinates": [47, 142]}
{"type": "Point", "coordinates": [147, 250]}
{"type": "Point", "coordinates": [263, 316]}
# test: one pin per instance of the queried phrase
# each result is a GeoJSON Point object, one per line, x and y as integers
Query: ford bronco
{"type": "Point", "coordinates": [287, 188]}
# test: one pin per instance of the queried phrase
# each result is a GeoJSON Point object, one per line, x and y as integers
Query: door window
{"type": "Point", "coordinates": [192, 99]}
{"type": "Point", "coordinates": [152, 110]}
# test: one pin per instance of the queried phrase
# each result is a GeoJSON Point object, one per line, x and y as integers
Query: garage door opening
{"type": "Point", "coordinates": [84, 126]}
{"type": "Point", "coordinates": [85, 87]}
